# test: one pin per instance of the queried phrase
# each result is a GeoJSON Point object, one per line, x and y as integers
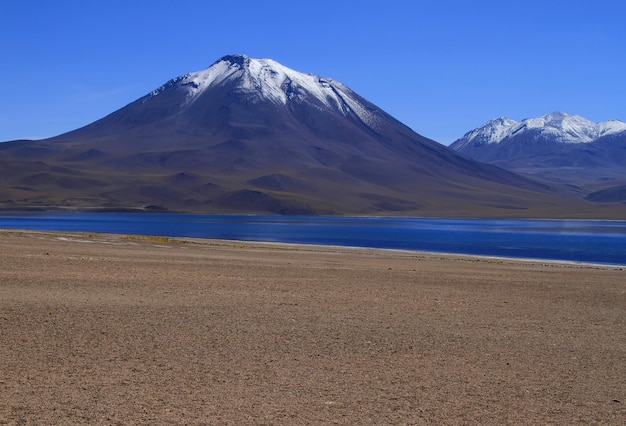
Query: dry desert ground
{"type": "Point", "coordinates": [114, 329]}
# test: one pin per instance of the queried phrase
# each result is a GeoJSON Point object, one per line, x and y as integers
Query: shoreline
{"type": "Point", "coordinates": [451, 255]}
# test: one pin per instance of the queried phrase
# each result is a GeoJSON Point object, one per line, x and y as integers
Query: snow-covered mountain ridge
{"type": "Point", "coordinates": [562, 148]}
{"type": "Point", "coordinates": [557, 126]}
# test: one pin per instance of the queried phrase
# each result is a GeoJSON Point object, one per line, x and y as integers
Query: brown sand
{"type": "Point", "coordinates": [105, 329]}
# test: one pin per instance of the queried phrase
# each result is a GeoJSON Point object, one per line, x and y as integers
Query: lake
{"type": "Point", "coordinates": [572, 240]}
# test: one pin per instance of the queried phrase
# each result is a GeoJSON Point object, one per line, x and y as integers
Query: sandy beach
{"type": "Point", "coordinates": [115, 329]}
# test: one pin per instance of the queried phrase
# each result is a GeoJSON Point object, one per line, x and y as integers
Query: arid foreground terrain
{"type": "Point", "coordinates": [112, 329]}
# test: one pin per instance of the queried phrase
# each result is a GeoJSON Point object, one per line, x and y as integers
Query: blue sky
{"type": "Point", "coordinates": [441, 67]}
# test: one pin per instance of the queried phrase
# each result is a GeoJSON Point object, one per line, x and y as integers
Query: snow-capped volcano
{"type": "Point", "coordinates": [252, 135]}
{"type": "Point", "coordinates": [555, 127]}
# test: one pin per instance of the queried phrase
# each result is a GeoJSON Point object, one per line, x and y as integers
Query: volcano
{"type": "Point", "coordinates": [253, 136]}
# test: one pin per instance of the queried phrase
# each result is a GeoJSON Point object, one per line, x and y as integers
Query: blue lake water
{"type": "Point", "coordinates": [574, 240]}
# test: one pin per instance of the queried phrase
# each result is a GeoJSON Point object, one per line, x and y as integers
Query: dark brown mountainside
{"type": "Point", "coordinates": [250, 135]}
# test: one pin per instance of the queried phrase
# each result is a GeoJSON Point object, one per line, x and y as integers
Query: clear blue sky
{"type": "Point", "coordinates": [442, 67]}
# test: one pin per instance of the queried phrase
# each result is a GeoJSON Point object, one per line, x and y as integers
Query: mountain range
{"type": "Point", "coordinates": [253, 136]}
{"type": "Point", "coordinates": [590, 158]}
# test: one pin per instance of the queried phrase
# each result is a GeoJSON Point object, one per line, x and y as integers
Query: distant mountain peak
{"type": "Point", "coordinates": [560, 147]}
{"type": "Point", "coordinates": [491, 132]}
{"type": "Point", "coordinates": [557, 126]}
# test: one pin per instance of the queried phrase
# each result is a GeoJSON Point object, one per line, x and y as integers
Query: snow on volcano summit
{"type": "Point", "coordinates": [267, 80]}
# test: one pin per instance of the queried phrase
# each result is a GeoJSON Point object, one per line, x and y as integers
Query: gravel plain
{"type": "Point", "coordinates": [121, 329]}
